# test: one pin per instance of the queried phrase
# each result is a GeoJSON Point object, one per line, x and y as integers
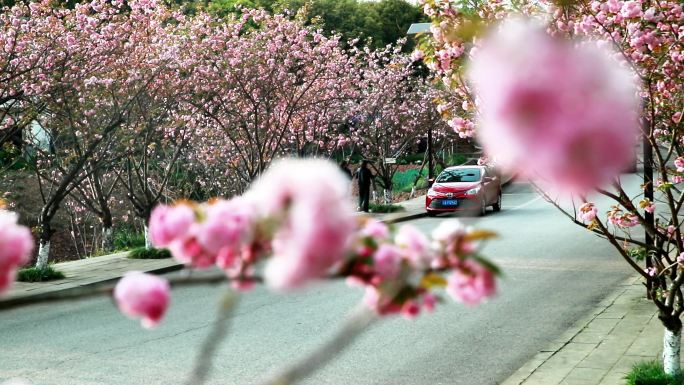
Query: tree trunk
{"type": "Point", "coordinates": [43, 254]}
{"type": "Point", "coordinates": [672, 342]}
{"type": "Point", "coordinates": [387, 196]}
{"type": "Point", "coordinates": [44, 240]}
{"type": "Point", "coordinates": [148, 241]}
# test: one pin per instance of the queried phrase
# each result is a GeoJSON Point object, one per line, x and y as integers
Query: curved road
{"type": "Point", "coordinates": [554, 271]}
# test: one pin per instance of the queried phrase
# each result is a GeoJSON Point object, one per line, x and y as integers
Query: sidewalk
{"type": "Point", "coordinates": [413, 208]}
{"type": "Point", "coordinates": [601, 348]}
{"type": "Point", "coordinates": [109, 268]}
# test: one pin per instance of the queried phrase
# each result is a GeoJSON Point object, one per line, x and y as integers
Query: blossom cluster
{"type": "Point", "coordinates": [297, 218]}
{"type": "Point", "coordinates": [16, 245]}
{"type": "Point", "coordinates": [622, 219]}
{"type": "Point", "coordinates": [552, 110]}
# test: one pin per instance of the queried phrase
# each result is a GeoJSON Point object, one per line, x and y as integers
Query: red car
{"type": "Point", "coordinates": [464, 188]}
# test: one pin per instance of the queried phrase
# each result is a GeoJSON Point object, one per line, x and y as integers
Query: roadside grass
{"type": "Point", "coordinates": [376, 208]}
{"type": "Point", "coordinates": [34, 274]}
{"type": "Point", "coordinates": [651, 373]}
{"type": "Point", "coordinates": [127, 238]}
{"type": "Point", "coordinates": [143, 253]}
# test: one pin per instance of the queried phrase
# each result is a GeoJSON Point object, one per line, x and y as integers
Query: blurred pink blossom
{"type": "Point", "coordinates": [228, 224]}
{"type": "Point", "coordinates": [318, 221]}
{"type": "Point", "coordinates": [387, 261]}
{"type": "Point", "coordinates": [471, 283]}
{"type": "Point", "coordinates": [16, 245]}
{"type": "Point", "coordinates": [142, 295]}
{"type": "Point", "coordinates": [170, 222]}
{"type": "Point", "coordinates": [554, 110]}
{"type": "Point", "coordinates": [414, 244]}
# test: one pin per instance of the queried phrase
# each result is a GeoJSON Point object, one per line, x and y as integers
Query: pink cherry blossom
{"type": "Point", "coordinates": [375, 229]}
{"type": "Point", "coordinates": [679, 163]}
{"type": "Point", "coordinates": [631, 9]}
{"type": "Point", "coordinates": [170, 222]}
{"type": "Point", "coordinates": [228, 224]}
{"type": "Point", "coordinates": [650, 208]}
{"type": "Point", "coordinates": [410, 309]}
{"type": "Point", "coordinates": [587, 212]}
{"type": "Point", "coordinates": [551, 110]}
{"type": "Point", "coordinates": [417, 55]}
{"type": "Point", "coordinates": [142, 295]}
{"type": "Point", "coordinates": [471, 283]}
{"type": "Point", "coordinates": [16, 245]}
{"type": "Point", "coordinates": [387, 261]}
{"type": "Point", "coordinates": [414, 244]}
{"type": "Point", "coordinates": [318, 221]}
{"type": "Point", "coordinates": [429, 302]}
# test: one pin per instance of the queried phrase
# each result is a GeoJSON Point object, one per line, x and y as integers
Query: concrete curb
{"type": "Point", "coordinates": [521, 375]}
{"type": "Point", "coordinates": [9, 302]}
{"type": "Point", "coordinates": [404, 218]}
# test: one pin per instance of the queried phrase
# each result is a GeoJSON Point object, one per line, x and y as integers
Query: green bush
{"type": "Point", "coordinates": [143, 253]}
{"type": "Point", "coordinates": [403, 180]}
{"type": "Point", "coordinates": [385, 208]}
{"type": "Point", "coordinates": [651, 373]}
{"type": "Point", "coordinates": [127, 238]}
{"type": "Point", "coordinates": [34, 274]}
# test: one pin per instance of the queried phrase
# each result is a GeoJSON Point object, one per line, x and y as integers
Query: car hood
{"type": "Point", "coordinates": [454, 187]}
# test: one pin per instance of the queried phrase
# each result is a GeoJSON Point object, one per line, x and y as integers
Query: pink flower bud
{"type": "Point", "coordinates": [142, 295]}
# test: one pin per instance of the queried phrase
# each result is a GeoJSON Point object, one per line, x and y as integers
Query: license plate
{"type": "Point", "coordinates": [449, 202]}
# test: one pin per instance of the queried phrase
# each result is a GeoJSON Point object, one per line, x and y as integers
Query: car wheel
{"type": "Point", "coordinates": [497, 205]}
{"type": "Point", "coordinates": [483, 207]}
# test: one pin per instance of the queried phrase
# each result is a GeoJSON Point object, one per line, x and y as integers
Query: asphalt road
{"type": "Point", "coordinates": [554, 272]}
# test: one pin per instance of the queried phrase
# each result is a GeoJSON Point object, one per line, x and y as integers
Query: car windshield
{"type": "Point", "coordinates": [459, 175]}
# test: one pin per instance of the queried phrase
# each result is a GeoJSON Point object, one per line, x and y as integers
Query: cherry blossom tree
{"type": "Point", "coordinates": [95, 88]}
{"type": "Point", "coordinates": [645, 40]}
{"type": "Point", "coordinates": [394, 109]}
{"type": "Point", "coordinates": [268, 86]}
{"type": "Point", "coordinates": [27, 54]}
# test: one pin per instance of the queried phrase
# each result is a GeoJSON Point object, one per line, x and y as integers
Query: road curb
{"type": "Point", "coordinates": [542, 356]}
{"type": "Point", "coordinates": [404, 218]}
{"type": "Point", "coordinates": [9, 302]}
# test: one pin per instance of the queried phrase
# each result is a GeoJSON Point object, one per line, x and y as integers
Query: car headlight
{"type": "Point", "coordinates": [473, 191]}
{"type": "Point", "coordinates": [431, 193]}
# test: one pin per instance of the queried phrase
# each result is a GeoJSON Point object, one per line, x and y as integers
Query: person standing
{"type": "Point", "coordinates": [364, 176]}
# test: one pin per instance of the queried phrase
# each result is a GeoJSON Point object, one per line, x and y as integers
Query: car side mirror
{"type": "Point", "coordinates": [431, 181]}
